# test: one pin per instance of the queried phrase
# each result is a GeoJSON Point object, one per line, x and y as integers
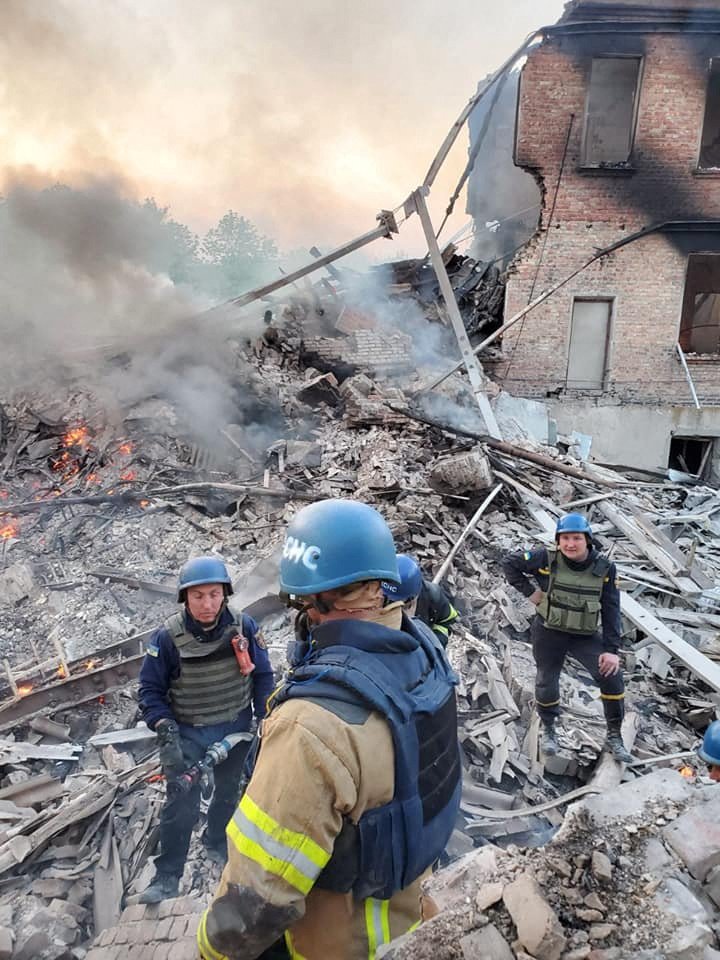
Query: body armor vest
{"type": "Point", "coordinates": [573, 598]}
{"type": "Point", "coordinates": [391, 845]}
{"type": "Point", "coordinates": [210, 689]}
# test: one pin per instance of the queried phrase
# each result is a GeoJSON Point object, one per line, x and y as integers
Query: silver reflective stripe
{"type": "Point", "coordinates": [275, 848]}
{"type": "Point", "coordinates": [377, 924]}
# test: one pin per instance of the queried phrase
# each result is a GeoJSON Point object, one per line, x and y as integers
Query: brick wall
{"type": "Point", "coordinates": [594, 209]}
{"type": "Point", "coordinates": [371, 350]}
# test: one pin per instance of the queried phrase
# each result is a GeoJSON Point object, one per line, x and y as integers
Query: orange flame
{"type": "Point", "coordinates": [24, 689]}
{"type": "Point", "coordinates": [91, 664]}
{"type": "Point", "coordinates": [126, 448]}
{"type": "Point", "coordinates": [93, 478]}
{"type": "Point", "coordinates": [74, 443]}
{"type": "Point", "coordinates": [61, 672]}
{"type": "Point", "coordinates": [76, 437]}
{"type": "Point", "coordinates": [687, 772]}
{"type": "Point", "coordinates": [144, 503]}
{"type": "Point", "coordinates": [128, 475]}
{"type": "Point", "coordinates": [9, 529]}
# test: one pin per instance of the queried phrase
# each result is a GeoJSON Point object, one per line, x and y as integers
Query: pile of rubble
{"type": "Point", "coordinates": [633, 872]}
{"type": "Point", "coordinates": [98, 513]}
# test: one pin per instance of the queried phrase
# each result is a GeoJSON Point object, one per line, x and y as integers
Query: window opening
{"type": "Point", "coordinates": [700, 322]}
{"type": "Point", "coordinates": [610, 111]}
{"type": "Point", "coordinates": [690, 454]}
{"type": "Point", "coordinates": [710, 142]}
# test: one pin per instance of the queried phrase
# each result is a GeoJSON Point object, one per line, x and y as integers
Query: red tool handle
{"type": "Point", "coordinates": [240, 646]}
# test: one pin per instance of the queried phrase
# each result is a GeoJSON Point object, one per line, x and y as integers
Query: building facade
{"type": "Point", "coordinates": [619, 121]}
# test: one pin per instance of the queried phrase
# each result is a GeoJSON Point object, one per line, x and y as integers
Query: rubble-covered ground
{"type": "Point", "coordinates": [101, 506]}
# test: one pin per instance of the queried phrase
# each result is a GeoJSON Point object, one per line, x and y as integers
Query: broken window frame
{"type": "Point", "coordinates": [713, 64]}
{"type": "Point", "coordinates": [682, 439]}
{"type": "Point", "coordinates": [618, 165]}
{"type": "Point", "coordinates": [685, 329]}
{"type": "Point", "coordinates": [573, 388]}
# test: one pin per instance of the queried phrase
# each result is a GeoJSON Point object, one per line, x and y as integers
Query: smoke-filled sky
{"type": "Point", "coordinates": [307, 118]}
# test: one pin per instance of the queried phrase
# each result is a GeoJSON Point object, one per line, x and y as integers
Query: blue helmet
{"type": "Point", "coordinates": [335, 542]}
{"type": "Point", "coordinates": [201, 570]}
{"type": "Point", "coordinates": [411, 580]}
{"type": "Point", "coordinates": [709, 750]}
{"type": "Point", "coordinates": [573, 523]}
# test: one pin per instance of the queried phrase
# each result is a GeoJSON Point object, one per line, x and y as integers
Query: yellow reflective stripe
{"type": "Point", "coordinates": [413, 926]}
{"type": "Point", "coordinates": [294, 954]}
{"type": "Point", "coordinates": [612, 696]}
{"type": "Point", "coordinates": [377, 924]}
{"type": "Point", "coordinates": [453, 615]}
{"type": "Point", "coordinates": [207, 951]}
{"type": "Point", "coordinates": [439, 627]}
{"type": "Point", "coordinates": [279, 868]}
{"type": "Point", "coordinates": [545, 571]}
{"type": "Point", "coordinates": [385, 920]}
{"type": "Point", "coordinates": [292, 856]}
{"type": "Point", "coordinates": [289, 838]}
{"type": "Point", "coordinates": [553, 703]}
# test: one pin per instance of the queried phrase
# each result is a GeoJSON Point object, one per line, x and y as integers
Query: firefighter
{"type": "Point", "coordinates": [576, 588]}
{"type": "Point", "coordinates": [709, 750]}
{"type": "Point", "coordinates": [422, 598]}
{"type": "Point", "coordinates": [356, 783]}
{"type": "Point", "coordinates": [196, 687]}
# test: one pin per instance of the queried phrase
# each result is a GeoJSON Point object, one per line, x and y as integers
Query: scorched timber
{"type": "Point", "coordinates": [71, 692]}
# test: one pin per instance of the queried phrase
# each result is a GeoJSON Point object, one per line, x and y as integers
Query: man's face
{"type": "Point", "coordinates": [714, 772]}
{"type": "Point", "coordinates": [205, 601]}
{"type": "Point", "coordinates": [573, 546]}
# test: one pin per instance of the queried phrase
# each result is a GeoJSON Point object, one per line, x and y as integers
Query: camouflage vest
{"type": "Point", "coordinates": [573, 598]}
{"type": "Point", "coordinates": [210, 688]}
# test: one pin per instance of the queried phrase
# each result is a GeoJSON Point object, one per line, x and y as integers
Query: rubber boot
{"type": "Point", "coordinates": [614, 743]}
{"type": "Point", "coordinates": [549, 744]}
{"type": "Point", "coordinates": [164, 887]}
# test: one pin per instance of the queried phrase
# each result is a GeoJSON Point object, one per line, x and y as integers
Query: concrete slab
{"type": "Point", "coordinates": [629, 798]}
{"type": "Point", "coordinates": [695, 837]}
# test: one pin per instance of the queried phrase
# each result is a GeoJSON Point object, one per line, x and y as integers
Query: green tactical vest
{"type": "Point", "coordinates": [572, 601]}
{"type": "Point", "coordinates": [210, 688]}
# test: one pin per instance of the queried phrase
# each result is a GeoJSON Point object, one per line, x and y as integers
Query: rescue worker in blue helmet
{"type": "Point", "coordinates": [709, 750]}
{"type": "Point", "coordinates": [206, 671]}
{"type": "Point", "coordinates": [422, 598]}
{"type": "Point", "coordinates": [356, 782]}
{"type": "Point", "coordinates": [574, 589]}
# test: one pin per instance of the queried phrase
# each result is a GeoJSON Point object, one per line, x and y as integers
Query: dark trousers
{"type": "Point", "coordinates": [550, 647]}
{"type": "Point", "coordinates": [182, 810]}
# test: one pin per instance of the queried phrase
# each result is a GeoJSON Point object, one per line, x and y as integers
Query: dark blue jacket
{"type": "Point", "coordinates": [519, 567]}
{"type": "Point", "coordinates": [162, 665]}
{"type": "Point", "coordinates": [404, 675]}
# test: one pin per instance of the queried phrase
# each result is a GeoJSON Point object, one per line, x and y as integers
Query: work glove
{"type": "Point", "coordinates": [171, 753]}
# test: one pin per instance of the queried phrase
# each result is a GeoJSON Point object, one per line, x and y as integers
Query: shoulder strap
{"type": "Point", "coordinates": [601, 567]}
{"type": "Point", "coordinates": [175, 625]}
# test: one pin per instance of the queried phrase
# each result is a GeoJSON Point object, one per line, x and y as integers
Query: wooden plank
{"type": "Point", "coordinates": [11, 752]}
{"type": "Point", "coordinates": [672, 550]}
{"type": "Point", "coordinates": [107, 883]}
{"type": "Point", "coordinates": [696, 662]}
{"type": "Point", "coordinates": [669, 565]}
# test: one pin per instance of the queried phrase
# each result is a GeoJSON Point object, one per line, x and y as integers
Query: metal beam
{"type": "Point", "coordinates": [388, 226]}
{"type": "Point", "coordinates": [685, 367]}
{"type": "Point", "coordinates": [417, 199]}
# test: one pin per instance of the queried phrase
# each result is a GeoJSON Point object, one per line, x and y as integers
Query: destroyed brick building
{"type": "Point", "coordinates": [619, 121]}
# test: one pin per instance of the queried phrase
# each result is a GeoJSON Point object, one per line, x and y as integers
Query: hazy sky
{"type": "Point", "coordinates": [307, 117]}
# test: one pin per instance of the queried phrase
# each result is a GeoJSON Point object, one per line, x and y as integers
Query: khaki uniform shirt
{"type": "Point", "coordinates": [314, 768]}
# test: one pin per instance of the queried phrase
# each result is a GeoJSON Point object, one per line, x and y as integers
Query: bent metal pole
{"type": "Point", "coordinates": [466, 533]}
